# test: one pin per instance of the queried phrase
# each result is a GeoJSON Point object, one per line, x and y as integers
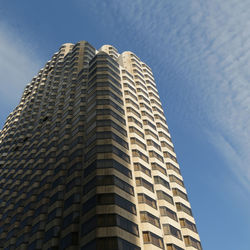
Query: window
{"type": "Point", "coordinates": [165, 144]}
{"type": "Point", "coordinates": [137, 153]}
{"type": "Point", "coordinates": [173, 178]}
{"type": "Point", "coordinates": [107, 148]}
{"type": "Point", "coordinates": [159, 180]}
{"type": "Point", "coordinates": [110, 243]}
{"type": "Point", "coordinates": [156, 166]}
{"type": "Point", "coordinates": [164, 196]}
{"type": "Point", "coordinates": [171, 230]}
{"type": "Point", "coordinates": [103, 93]}
{"type": "Point", "coordinates": [106, 135]}
{"type": "Point", "coordinates": [107, 102]}
{"type": "Point", "coordinates": [57, 212]}
{"type": "Point", "coordinates": [183, 208]}
{"type": "Point", "coordinates": [145, 113]}
{"type": "Point", "coordinates": [190, 241]}
{"type": "Point", "coordinates": [107, 163]}
{"type": "Point", "coordinates": [103, 123]}
{"type": "Point", "coordinates": [110, 220]}
{"type": "Point", "coordinates": [143, 198]}
{"type": "Point", "coordinates": [128, 93]}
{"type": "Point", "coordinates": [106, 180]}
{"type": "Point", "coordinates": [170, 156]}
{"type": "Point", "coordinates": [149, 132]}
{"type": "Point", "coordinates": [173, 247]}
{"type": "Point", "coordinates": [188, 224]}
{"type": "Point", "coordinates": [134, 140]}
{"type": "Point", "coordinates": [57, 196]}
{"type": "Point", "coordinates": [52, 232]}
{"type": "Point", "coordinates": [160, 125]}
{"type": "Point", "coordinates": [70, 239]}
{"type": "Point", "coordinates": [104, 77]}
{"type": "Point", "coordinates": [172, 167]}
{"type": "Point", "coordinates": [178, 192]}
{"type": "Point", "coordinates": [70, 219]}
{"type": "Point", "coordinates": [147, 217]}
{"type": "Point", "coordinates": [108, 199]}
{"type": "Point", "coordinates": [141, 97]}
{"type": "Point", "coordinates": [135, 130]}
{"type": "Point", "coordinates": [127, 85]}
{"type": "Point", "coordinates": [153, 154]}
{"type": "Point", "coordinates": [142, 182]}
{"type": "Point", "coordinates": [143, 105]}
{"type": "Point", "coordinates": [154, 144]}
{"type": "Point", "coordinates": [73, 183]}
{"type": "Point", "coordinates": [132, 119]}
{"type": "Point", "coordinates": [128, 100]}
{"type": "Point", "coordinates": [164, 211]}
{"type": "Point", "coordinates": [158, 110]}
{"type": "Point", "coordinates": [147, 122]}
{"type": "Point", "coordinates": [74, 198]}
{"type": "Point", "coordinates": [151, 238]}
{"type": "Point", "coordinates": [112, 113]}
{"type": "Point", "coordinates": [103, 84]}
{"type": "Point", "coordinates": [139, 167]}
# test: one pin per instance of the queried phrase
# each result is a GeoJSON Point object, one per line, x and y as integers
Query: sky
{"type": "Point", "coordinates": [199, 52]}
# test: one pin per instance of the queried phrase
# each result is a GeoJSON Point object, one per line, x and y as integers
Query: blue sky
{"type": "Point", "coordinates": [199, 52]}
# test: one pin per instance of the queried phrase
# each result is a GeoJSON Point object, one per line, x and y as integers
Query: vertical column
{"type": "Point", "coordinates": [108, 209]}
{"type": "Point", "coordinates": [186, 220]}
{"type": "Point", "coordinates": [170, 228]}
{"type": "Point", "coordinates": [146, 155]}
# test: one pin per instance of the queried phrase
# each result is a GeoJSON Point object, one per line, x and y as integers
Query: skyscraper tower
{"type": "Point", "coordinates": [87, 161]}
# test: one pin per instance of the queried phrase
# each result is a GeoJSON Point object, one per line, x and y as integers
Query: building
{"type": "Point", "coordinates": [87, 161]}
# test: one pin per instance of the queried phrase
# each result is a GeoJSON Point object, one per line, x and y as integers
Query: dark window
{"type": "Point", "coordinates": [188, 224]}
{"type": "Point", "coordinates": [103, 123]}
{"type": "Point", "coordinates": [148, 217]}
{"type": "Point", "coordinates": [159, 180]}
{"type": "Point", "coordinates": [164, 196]}
{"type": "Point", "coordinates": [142, 182]}
{"type": "Point", "coordinates": [183, 208]}
{"type": "Point", "coordinates": [75, 182]}
{"type": "Point", "coordinates": [70, 239]}
{"type": "Point", "coordinates": [156, 166]}
{"type": "Point", "coordinates": [74, 198]}
{"type": "Point", "coordinates": [105, 180]}
{"type": "Point", "coordinates": [107, 163]}
{"type": "Point", "coordinates": [172, 167]}
{"type": "Point", "coordinates": [139, 167]}
{"type": "Point", "coordinates": [110, 243]}
{"type": "Point", "coordinates": [190, 241]}
{"type": "Point", "coordinates": [109, 220]}
{"type": "Point", "coordinates": [173, 247]}
{"type": "Point", "coordinates": [70, 219]}
{"type": "Point", "coordinates": [107, 148]}
{"type": "Point", "coordinates": [107, 135]}
{"type": "Point", "coordinates": [173, 178]}
{"type": "Point", "coordinates": [143, 198]}
{"type": "Point", "coordinates": [165, 211]}
{"type": "Point", "coordinates": [171, 230]}
{"type": "Point", "coordinates": [108, 199]}
{"type": "Point", "coordinates": [151, 238]}
{"type": "Point", "coordinates": [52, 232]}
{"type": "Point", "coordinates": [178, 192]}
{"type": "Point", "coordinates": [112, 113]}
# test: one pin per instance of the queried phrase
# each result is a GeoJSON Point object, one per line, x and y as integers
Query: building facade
{"type": "Point", "coordinates": [87, 161]}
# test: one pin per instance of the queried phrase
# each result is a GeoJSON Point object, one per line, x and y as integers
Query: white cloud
{"type": "Point", "coordinates": [18, 65]}
{"type": "Point", "coordinates": [208, 43]}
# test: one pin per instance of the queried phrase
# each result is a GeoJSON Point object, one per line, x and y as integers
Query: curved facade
{"type": "Point", "coordinates": [87, 161]}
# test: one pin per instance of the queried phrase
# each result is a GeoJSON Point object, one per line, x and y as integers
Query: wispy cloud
{"type": "Point", "coordinates": [18, 65]}
{"type": "Point", "coordinates": [203, 48]}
